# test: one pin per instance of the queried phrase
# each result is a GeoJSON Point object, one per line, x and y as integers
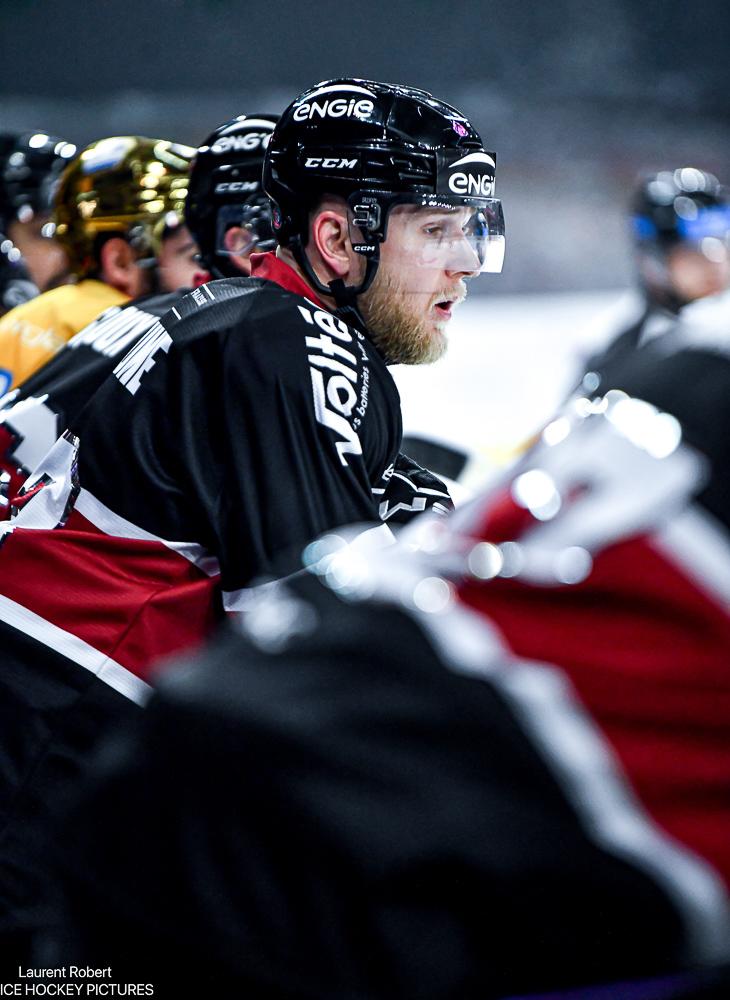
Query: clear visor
{"type": "Point", "coordinates": [458, 238]}
{"type": "Point", "coordinates": [241, 229]}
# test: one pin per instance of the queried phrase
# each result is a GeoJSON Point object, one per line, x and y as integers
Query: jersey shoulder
{"type": "Point", "coordinates": [218, 306]}
{"type": "Point", "coordinates": [115, 327]}
{"type": "Point", "coordinates": [252, 316]}
{"type": "Point", "coordinates": [31, 333]}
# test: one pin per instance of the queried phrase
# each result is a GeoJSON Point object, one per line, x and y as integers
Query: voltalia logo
{"type": "Point", "coordinates": [473, 175]}
{"type": "Point", "coordinates": [343, 103]}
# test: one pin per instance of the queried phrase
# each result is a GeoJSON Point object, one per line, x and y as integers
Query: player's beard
{"type": "Point", "coordinates": [397, 324]}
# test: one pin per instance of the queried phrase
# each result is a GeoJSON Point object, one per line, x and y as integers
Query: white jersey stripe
{"type": "Point", "coordinates": [572, 747]}
{"type": "Point", "coordinates": [590, 775]}
{"type": "Point", "coordinates": [700, 545]}
{"type": "Point", "coordinates": [104, 667]}
{"type": "Point", "coordinates": [113, 524]}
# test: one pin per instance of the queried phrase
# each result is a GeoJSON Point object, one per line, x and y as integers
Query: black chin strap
{"type": "Point", "coordinates": [345, 296]}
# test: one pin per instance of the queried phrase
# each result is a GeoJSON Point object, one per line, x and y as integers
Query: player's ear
{"type": "Point", "coordinates": [118, 265]}
{"type": "Point", "coordinates": [330, 235]}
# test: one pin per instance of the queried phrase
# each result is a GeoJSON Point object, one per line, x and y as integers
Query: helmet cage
{"type": "Point", "coordinates": [252, 221]}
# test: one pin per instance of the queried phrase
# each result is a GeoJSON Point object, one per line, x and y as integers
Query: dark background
{"type": "Point", "coordinates": [575, 97]}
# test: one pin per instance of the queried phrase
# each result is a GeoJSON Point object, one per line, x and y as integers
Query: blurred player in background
{"type": "Point", "coordinates": [31, 261]}
{"type": "Point", "coordinates": [111, 209]}
{"type": "Point", "coordinates": [492, 760]}
{"type": "Point", "coordinates": [681, 230]}
{"type": "Point", "coordinates": [227, 217]}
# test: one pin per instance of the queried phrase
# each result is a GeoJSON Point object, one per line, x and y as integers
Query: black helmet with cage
{"type": "Point", "coordinates": [226, 209]}
{"type": "Point", "coordinates": [378, 145]}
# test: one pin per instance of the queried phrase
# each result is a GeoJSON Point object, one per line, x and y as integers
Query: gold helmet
{"type": "Point", "coordinates": [126, 185]}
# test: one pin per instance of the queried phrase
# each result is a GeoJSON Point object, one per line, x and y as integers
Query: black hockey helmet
{"type": "Point", "coordinates": [675, 206]}
{"type": "Point", "coordinates": [686, 208]}
{"type": "Point", "coordinates": [226, 191]}
{"type": "Point", "coordinates": [377, 145]}
{"type": "Point", "coordinates": [30, 165]}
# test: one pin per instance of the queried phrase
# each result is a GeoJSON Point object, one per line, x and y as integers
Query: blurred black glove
{"type": "Point", "coordinates": [410, 490]}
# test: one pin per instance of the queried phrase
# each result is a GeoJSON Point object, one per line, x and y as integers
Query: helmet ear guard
{"type": "Point", "coordinates": [366, 215]}
{"type": "Point", "coordinates": [345, 296]}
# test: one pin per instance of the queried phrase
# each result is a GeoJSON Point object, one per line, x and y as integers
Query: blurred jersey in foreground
{"type": "Point", "coordinates": [492, 759]}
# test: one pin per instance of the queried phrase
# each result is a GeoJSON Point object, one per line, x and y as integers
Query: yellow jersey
{"type": "Point", "coordinates": [32, 332]}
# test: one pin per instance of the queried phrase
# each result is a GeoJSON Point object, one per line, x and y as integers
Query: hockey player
{"type": "Point", "coordinates": [248, 420]}
{"type": "Point", "coordinates": [30, 259]}
{"type": "Point", "coordinates": [230, 217]}
{"type": "Point", "coordinates": [681, 229]}
{"type": "Point", "coordinates": [493, 760]}
{"type": "Point", "coordinates": [226, 216]}
{"type": "Point", "coordinates": [111, 208]}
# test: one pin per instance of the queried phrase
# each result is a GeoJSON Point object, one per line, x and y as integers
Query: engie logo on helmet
{"type": "Point", "coordinates": [470, 176]}
{"type": "Point", "coordinates": [241, 143]}
{"type": "Point", "coordinates": [336, 102]}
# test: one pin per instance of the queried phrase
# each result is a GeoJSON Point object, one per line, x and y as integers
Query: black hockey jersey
{"type": "Point", "coordinates": [243, 424]}
{"type": "Point", "coordinates": [616, 357]}
{"type": "Point", "coordinates": [34, 415]}
{"type": "Point", "coordinates": [238, 427]}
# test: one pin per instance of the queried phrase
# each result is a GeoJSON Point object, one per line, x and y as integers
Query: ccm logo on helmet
{"type": "Point", "coordinates": [471, 178]}
{"type": "Point", "coordinates": [233, 186]}
{"type": "Point", "coordinates": [330, 163]}
{"type": "Point", "coordinates": [247, 142]}
{"type": "Point", "coordinates": [337, 107]}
